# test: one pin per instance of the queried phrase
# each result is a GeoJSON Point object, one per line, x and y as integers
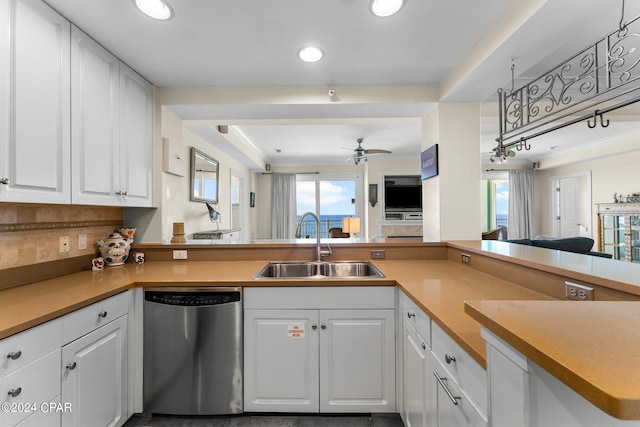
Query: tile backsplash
{"type": "Point", "coordinates": [29, 233]}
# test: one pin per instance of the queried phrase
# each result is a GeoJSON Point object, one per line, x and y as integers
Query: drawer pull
{"type": "Point", "coordinates": [14, 355]}
{"type": "Point", "coordinates": [15, 392]}
{"type": "Point", "coordinates": [71, 366]}
{"type": "Point", "coordinates": [410, 315]}
{"type": "Point", "coordinates": [314, 326]}
{"type": "Point", "coordinates": [449, 359]}
{"type": "Point", "coordinates": [102, 314]}
{"type": "Point", "coordinates": [441, 380]}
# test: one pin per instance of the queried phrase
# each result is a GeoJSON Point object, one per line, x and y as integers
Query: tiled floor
{"type": "Point", "coordinates": [295, 420]}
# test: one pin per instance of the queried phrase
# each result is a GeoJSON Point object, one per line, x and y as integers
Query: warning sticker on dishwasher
{"type": "Point", "coordinates": [295, 331]}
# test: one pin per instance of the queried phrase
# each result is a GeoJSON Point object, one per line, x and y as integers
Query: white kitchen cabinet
{"type": "Point", "coordinates": [281, 361]}
{"type": "Point", "coordinates": [30, 373]}
{"type": "Point", "coordinates": [522, 394]}
{"type": "Point", "coordinates": [34, 103]}
{"type": "Point", "coordinates": [111, 136]}
{"type": "Point", "coordinates": [319, 349]}
{"type": "Point", "coordinates": [452, 407]}
{"type": "Point", "coordinates": [94, 378]}
{"type": "Point", "coordinates": [417, 378]}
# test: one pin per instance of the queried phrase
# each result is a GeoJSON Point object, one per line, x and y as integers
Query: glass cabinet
{"type": "Point", "coordinates": [619, 230]}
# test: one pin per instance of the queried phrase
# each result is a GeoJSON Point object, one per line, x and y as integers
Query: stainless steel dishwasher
{"type": "Point", "coordinates": [193, 351]}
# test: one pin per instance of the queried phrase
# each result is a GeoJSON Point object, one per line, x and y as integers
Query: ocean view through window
{"type": "Point", "coordinates": [330, 199]}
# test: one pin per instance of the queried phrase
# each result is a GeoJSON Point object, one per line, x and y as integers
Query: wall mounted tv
{"type": "Point", "coordinates": [402, 193]}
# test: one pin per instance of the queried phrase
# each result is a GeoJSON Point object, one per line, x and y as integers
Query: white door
{"type": "Point", "coordinates": [94, 140]}
{"type": "Point", "coordinates": [94, 377]}
{"type": "Point", "coordinates": [416, 378]}
{"type": "Point", "coordinates": [281, 361]}
{"type": "Point", "coordinates": [34, 103]}
{"type": "Point", "coordinates": [136, 141]}
{"type": "Point", "coordinates": [569, 207]}
{"type": "Point", "coordinates": [357, 361]}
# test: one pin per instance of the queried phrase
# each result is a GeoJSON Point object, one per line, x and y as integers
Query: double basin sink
{"type": "Point", "coordinates": [313, 269]}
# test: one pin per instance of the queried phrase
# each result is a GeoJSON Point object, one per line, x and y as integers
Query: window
{"type": "Point", "coordinates": [331, 198]}
{"type": "Point", "coordinates": [495, 203]}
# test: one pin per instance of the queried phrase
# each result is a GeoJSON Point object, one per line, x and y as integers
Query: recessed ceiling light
{"type": "Point", "coordinates": [310, 54]}
{"type": "Point", "coordinates": [156, 9]}
{"type": "Point", "coordinates": [384, 8]}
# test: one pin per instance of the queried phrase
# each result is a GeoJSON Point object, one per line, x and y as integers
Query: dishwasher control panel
{"type": "Point", "coordinates": [200, 298]}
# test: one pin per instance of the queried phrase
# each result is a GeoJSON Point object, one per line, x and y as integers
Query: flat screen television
{"type": "Point", "coordinates": [403, 193]}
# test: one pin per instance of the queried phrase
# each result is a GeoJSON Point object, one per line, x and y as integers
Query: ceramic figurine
{"type": "Point", "coordinates": [115, 249]}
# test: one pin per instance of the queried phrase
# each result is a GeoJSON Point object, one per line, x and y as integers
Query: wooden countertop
{"type": "Point", "coordinates": [591, 346]}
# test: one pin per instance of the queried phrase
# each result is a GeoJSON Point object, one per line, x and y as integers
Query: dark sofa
{"type": "Point", "coordinates": [579, 245]}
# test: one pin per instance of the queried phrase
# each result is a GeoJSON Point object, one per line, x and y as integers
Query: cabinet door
{"type": "Point", "coordinates": [281, 361]}
{"type": "Point", "coordinates": [95, 88]}
{"type": "Point", "coordinates": [357, 361]}
{"type": "Point", "coordinates": [451, 407]}
{"type": "Point", "coordinates": [417, 377]}
{"type": "Point", "coordinates": [136, 141]}
{"type": "Point", "coordinates": [34, 103]}
{"type": "Point", "coordinates": [94, 378]}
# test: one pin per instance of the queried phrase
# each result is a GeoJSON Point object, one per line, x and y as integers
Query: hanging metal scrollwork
{"type": "Point", "coordinates": [605, 71]}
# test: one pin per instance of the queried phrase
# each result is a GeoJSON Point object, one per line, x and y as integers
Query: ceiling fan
{"type": "Point", "coordinates": [360, 153]}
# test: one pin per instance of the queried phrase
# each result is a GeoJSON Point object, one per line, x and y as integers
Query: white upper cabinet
{"type": "Point", "coordinates": [34, 103]}
{"type": "Point", "coordinates": [112, 146]}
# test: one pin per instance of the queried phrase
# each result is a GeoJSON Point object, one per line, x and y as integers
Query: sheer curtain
{"type": "Point", "coordinates": [520, 204]}
{"type": "Point", "coordinates": [283, 205]}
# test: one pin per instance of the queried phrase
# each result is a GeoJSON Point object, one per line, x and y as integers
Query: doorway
{"type": "Point", "coordinates": [571, 214]}
{"type": "Point", "coordinates": [237, 211]}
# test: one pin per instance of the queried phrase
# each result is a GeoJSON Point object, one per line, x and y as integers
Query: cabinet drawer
{"type": "Point", "coordinates": [461, 367]}
{"type": "Point", "coordinates": [37, 383]}
{"type": "Point", "coordinates": [416, 317]}
{"type": "Point", "coordinates": [48, 417]}
{"type": "Point", "coordinates": [462, 413]}
{"type": "Point", "coordinates": [328, 297]}
{"type": "Point", "coordinates": [87, 319]}
{"type": "Point", "coordinates": [21, 349]}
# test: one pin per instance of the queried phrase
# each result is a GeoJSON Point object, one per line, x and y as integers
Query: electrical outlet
{"type": "Point", "coordinates": [578, 292]}
{"type": "Point", "coordinates": [180, 254]}
{"type": "Point", "coordinates": [377, 254]}
{"type": "Point", "coordinates": [82, 242]}
{"type": "Point", "coordinates": [466, 258]}
{"type": "Point", "coordinates": [63, 244]}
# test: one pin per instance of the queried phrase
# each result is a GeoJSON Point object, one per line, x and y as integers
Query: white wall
{"type": "Point", "coordinates": [611, 174]}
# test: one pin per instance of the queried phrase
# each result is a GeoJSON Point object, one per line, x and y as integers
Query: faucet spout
{"type": "Point", "coordinates": [319, 252]}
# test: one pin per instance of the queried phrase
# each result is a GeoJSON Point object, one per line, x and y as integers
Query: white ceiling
{"type": "Point", "coordinates": [249, 43]}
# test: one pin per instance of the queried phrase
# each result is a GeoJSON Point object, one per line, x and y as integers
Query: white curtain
{"type": "Point", "coordinates": [520, 204]}
{"type": "Point", "coordinates": [283, 205]}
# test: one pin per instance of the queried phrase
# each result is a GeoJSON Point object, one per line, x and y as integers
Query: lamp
{"type": "Point", "coordinates": [351, 225]}
{"type": "Point", "coordinates": [214, 215]}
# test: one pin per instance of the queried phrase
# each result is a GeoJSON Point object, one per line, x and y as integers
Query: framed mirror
{"type": "Point", "coordinates": [204, 177]}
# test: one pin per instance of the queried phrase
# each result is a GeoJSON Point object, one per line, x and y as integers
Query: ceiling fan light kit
{"type": "Point", "coordinates": [607, 71]}
{"type": "Point", "coordinates": [360, 153]}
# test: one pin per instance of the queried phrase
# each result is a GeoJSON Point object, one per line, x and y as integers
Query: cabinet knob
{"type": "Point", "coordinates": [71, 366]}
{"type": "Point", "coordinates": [449, 359]}
{"type": "Point", "coordinates": [410, 315]}
{"type": "Point", "coordinates": [323, 326]}
{"type": "Point", "coordinates": [424, 346]}
{"type": "Point", "coordinates": [102, 314]}
{"type": "Point", "coordinates": [121, 193]}
{"type": "Point", "coordinates": [314, 326]}
{"type": "Point", "coordinates": [4, 181]}
{"type": "Point", "coordinates": [14, 355]}
{"type": "Point", "coordinates": [15, 392]}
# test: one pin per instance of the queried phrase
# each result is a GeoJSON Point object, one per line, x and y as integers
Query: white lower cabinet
{"type": "Point", "coordinates": [522, 394]}
{"type": "Point", "coordinates": [416, 373]}
{"type": "Point", "coordinates": [94, 364]}
{"type": "Point", "coordinates": [333, 359]}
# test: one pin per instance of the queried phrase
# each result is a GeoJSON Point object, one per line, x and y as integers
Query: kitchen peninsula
{"type": "Point", "coordinates": [433, 278]}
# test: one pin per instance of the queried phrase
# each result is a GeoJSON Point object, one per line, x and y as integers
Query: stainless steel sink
{"type": "Point", "coordinates": [329, 269]}
{"type": "Point", "coordinates": [349, 269]}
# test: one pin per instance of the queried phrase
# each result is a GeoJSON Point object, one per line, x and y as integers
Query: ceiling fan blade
{"type": "Point", "coordinates": [376, 151]}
